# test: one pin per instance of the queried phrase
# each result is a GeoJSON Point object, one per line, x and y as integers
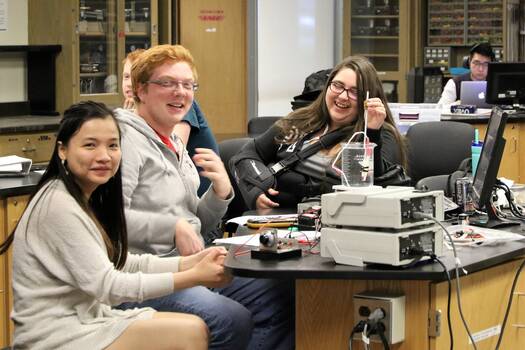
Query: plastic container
{"type": "Point", "coordinates": [476, 152]}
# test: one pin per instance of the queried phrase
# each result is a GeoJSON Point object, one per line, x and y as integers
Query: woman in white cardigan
{"type": "Point", "coordinates": [70, 259]}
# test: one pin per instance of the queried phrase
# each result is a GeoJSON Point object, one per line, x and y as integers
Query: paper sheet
{"type": "Point", "coordinates": [253, 240]}
{"type": "Point", "coordinates": [467, 235]}
{"type": "Point", "coordinates": [12, 165]}
{"type": "Point", "coordinates": [241, 220]}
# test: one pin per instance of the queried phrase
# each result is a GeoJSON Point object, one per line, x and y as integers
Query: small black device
{"type": "Point", "coordinates": [487, 170]}
{"type": "Point", "coordinates": [272, 247]}
{"type": "Point", "coordinates": [463, 109]}
{"type": "Point", "coordinates": [505, 83]}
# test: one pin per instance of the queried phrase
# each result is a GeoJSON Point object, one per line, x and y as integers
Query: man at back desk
{"type": "Point", "coordinates": [479, 57]}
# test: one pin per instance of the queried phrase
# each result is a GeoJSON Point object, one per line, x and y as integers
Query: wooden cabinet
{"type": "Point", "coordinates": [511, 166]}
{"type": "Point", "coordinates": [325, 309]}
{"type": "Point", "coordinates": [95, 36]}
{"type": "Point", "coordinates": [478, 290]}
{"type": "Point", "coordinates": [36, 146]}
{"type": "Point", "coordinates": [386, 32]}
{"type": "Point", "coordinates": [11, 210]}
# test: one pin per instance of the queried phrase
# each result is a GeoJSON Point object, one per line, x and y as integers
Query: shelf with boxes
{"type": "Point", "coordinates": [464, 22]}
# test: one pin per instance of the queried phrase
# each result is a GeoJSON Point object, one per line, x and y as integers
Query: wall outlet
{"type": "Point", "coordinates": [393, 305]}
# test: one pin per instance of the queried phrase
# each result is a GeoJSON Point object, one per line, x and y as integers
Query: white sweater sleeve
{"type": "Point", "coordinates": [149, 263]}
{"type": "Point", "coordinates": [69, 245]}
{"type": "Point", "coordinates": [448, 95]}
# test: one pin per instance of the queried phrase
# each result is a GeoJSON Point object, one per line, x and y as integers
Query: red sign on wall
{"type": "Point", "coordinates": [211, 15]}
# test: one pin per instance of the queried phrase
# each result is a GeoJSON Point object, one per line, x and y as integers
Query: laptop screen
{"type": "Point", "coordinates": [474, 93]}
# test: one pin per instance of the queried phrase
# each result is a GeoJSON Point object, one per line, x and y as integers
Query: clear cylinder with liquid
{"type": "Point", "coordinates": [357, 164]}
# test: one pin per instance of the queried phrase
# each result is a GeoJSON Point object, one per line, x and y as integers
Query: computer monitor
{"type": "Point", "coordinates": [505, 83]}
{"type": "Point", "coordinates": [487, 170]}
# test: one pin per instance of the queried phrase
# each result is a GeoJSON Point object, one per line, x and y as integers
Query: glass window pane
{"type": "Point", "coordinates": [97, 47]}
{"type": "Point", "coordinates": [138, 24]}
{"type": "Point", "coordinates": [375, 32]}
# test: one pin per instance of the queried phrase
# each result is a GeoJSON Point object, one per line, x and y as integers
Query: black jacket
{"type": "Point", "coordinates": [250, 165]}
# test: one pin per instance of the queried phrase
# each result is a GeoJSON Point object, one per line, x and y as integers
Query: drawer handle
{"type": "Point", "coordinates": [28, 149]}
{"type": "Point", "coordinates": [519, 325]}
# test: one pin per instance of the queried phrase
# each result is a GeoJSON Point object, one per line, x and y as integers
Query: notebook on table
{"type": "Point", "coordinates": [473, 93]}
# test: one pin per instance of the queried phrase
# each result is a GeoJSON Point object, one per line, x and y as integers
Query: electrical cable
{"type": "Point", "coordinates": [449, 297]}
{"type": "Point", "coordinates": [358, 328]}
{"type": "Point", "coordinates": [433, 257]}
{"type": "Point", "coordinates": [420, 215]}
{"type": "Point", "coordinates": [515, 209]}
{"type": "Point", "coordinates": [380, 329]}
{"type": "Point", "coordinates": [376, 326]}
{"type": "Point", "coordinates": [509, 304]}
{"type": "Point", "coordinates": [372, 325]}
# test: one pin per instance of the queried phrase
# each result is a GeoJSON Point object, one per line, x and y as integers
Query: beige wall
{"type": "Point", "coordinates": [12, 65]}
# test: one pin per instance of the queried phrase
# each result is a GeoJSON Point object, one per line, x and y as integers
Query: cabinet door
{"type": "Point", "coordinates": [4, 316]}
{"type": "Point", "coordinates": [381, 30]}
{"type": "Point", "coordinates": [141, 26]}
{"type": "Point", "coordinates": [375, 33]}
{"type": "Point", "coordinates": [484, 297]}
{"type": "Point", "coordinates": [510, 163]}
{"type": "Point", "coordinates": [14, 210]}
{"type": "Point", "coordinates": [98, 60]}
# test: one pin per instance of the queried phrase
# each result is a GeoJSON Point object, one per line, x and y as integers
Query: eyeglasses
{"type": "Point", "coordinates": [338, 88]}
{"type": "Point", "coordinates": [480, 64]}
{"type": "Point", "coordinates": [173, 84]}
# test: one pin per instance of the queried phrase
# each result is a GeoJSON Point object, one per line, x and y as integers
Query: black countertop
{"type": "Point", "coordinates": [316, 267]}
{"type": "Point", "coordinates": [28, 123]}
{"type": "Point", "coordinates": [477, 119]}
{"type": "Point", "coordinates": [17, 186]}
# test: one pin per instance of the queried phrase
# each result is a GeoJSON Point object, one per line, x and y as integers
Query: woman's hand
{"type": "Point", "coordinates": [376, 113]}
{"type": "Point", "coordinates": [263, 202]}
{"type": "Point", "coordinates": [129, 103]}
{"type": "Point", "coordinates": [213, 169]}
{"type": "Point", "coordinates": [187, 262]}
{"type": "Point", "coordinates": [209, 271]}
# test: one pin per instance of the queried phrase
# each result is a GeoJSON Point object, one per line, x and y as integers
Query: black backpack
{"type": "Point", "coordinates": [313, 85]}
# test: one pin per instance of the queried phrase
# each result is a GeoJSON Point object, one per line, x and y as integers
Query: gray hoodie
{"type": "Point", "coordinates": [160, 188]}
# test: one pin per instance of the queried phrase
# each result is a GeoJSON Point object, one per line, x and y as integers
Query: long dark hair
{"type": "Point", "coordinates": [106, 204]}
{"type": "Point", "coordinates": [316, 115]}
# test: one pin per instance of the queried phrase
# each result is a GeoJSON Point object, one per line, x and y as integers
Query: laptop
{"type": "Point", "coordinates": [473, 93]}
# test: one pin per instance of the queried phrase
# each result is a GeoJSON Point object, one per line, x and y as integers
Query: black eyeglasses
{"type": "Point", "coordinates": [338, 88]}
{"type": "Point", "coordinates": [173, 84]}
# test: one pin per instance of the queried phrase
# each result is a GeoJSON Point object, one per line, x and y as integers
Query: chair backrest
{"type": "Point", "coordinates": [227, 149]}
{"type": "Point", "coordinates": [437, 148]}
{"type": "Point", "coordinates": [259, 125]}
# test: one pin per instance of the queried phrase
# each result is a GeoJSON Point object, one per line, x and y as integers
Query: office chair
{"type": "Point", "coordinates": [437, 148]}
{"type": "Point", "coordinates": [259, 125]}
{"type": "Point", "coordinates": [227, 149]}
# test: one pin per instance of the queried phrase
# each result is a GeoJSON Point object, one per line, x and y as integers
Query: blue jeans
{"type": "Point", "coordinates": [272, 306]}
{"type": "Point", "coordinates": [247, 314]}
